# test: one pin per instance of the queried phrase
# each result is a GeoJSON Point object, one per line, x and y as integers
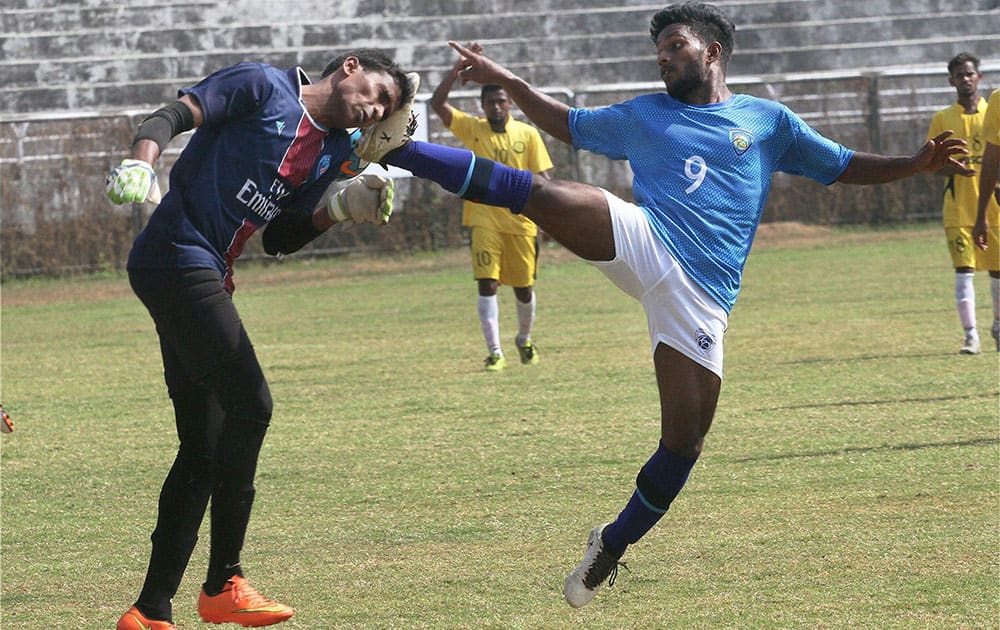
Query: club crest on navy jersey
{"type": "Point", "coordinates": [323, 165]}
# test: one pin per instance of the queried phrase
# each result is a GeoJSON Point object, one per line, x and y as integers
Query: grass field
{"type": "Point", "coordinates": [850, 479]}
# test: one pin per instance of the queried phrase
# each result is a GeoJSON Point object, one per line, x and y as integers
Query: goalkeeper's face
{"type": "Point", "coordinates": [361, 98]}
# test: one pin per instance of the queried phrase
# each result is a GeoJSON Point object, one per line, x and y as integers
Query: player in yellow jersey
{"type": "Point", "coordinates": [961, 196]}
{"type": "Point", "coordinates": [504, 245]}
{"type": "Point", "coordinates": [986, 232]}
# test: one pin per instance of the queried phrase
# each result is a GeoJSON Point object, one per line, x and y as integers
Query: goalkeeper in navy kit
{"type": "Point", "coordinates": [270, 148]}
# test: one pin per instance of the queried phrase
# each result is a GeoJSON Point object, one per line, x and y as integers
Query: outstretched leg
{"type": "Point", "coordinates": [574, 214]}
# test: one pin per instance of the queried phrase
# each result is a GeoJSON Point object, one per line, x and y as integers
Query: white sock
{"type": "Point", "coordinates": [525, 319]}
{"type": "Point", "coordinates": [489, 318]}
{"type": "Point", "coordinates": [965, 296]}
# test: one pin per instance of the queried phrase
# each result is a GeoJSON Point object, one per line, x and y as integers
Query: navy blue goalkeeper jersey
{"type": "Point", "coordinates": [257, 153]}
{"type": "Point", "coordinates": [702, 173]}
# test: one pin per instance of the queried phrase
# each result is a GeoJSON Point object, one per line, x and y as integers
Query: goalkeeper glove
{"type": "Point", "coordinates": [134, 181]}
{"type": "Point", "coordinates": [366, 199]}
{"type": "Point", "coordinates": [391, 133]}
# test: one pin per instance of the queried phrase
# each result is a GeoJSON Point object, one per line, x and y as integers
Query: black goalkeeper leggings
{"type": "Point", "coordinates": [222, 406]}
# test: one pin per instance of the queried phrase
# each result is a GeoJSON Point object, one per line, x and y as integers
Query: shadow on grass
{"type": "Point", "coordinates": [866, 357]}
{"type": "Point", "coordinates": [870, 449]}
{"type": "Point", "coordinates": [891, 401]}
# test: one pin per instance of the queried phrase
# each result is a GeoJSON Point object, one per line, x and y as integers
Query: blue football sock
{"type": "Point", "coordinates": [459, 171]}
{"type": "Point", "coordinates": [659, 481]}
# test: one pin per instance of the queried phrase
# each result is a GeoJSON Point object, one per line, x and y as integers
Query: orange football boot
{"type": "Point", "coordinates": [135, 620]}
{"type": "Point", "coordinates": [241, 603]}
{"type": "Point", "coordinates": [6, 426]}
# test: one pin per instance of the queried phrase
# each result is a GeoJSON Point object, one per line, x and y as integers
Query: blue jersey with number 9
{"type": "Point", "coordinates": [702, 173]}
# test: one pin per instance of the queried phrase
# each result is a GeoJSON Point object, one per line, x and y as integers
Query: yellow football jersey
{"type": "Point", "coordinates": [520, 146]}
{"type": "Point", "coordinates": [961, 194]}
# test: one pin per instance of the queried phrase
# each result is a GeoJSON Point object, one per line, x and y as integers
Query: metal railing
{"type": "Point", "coordinates": [54, 217]}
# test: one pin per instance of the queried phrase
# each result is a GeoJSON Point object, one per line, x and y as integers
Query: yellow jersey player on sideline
{"type": "Point", "coordinates": [504, 245]}
{"type": "Point", "coordinates": [961, 196]}
{"type": "Point", "coordinates": [986, 232]}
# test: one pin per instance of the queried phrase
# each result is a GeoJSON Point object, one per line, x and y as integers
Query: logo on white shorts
{"type": "Point", "coordinates": [705, 340]}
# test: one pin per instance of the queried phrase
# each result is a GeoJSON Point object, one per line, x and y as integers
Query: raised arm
{"type": "Point", "coordinates": [937, 153]}
{"type": "Point", "coordinates": [439, 99]}
{"type": "Point", "coordinates": [546, 112]}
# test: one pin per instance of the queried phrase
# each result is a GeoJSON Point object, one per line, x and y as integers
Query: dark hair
{"type": "Point", "coordinates": [373, 61]}
{"type": "Point", "coordinates": [488, 89]}
{"type": "Point", "coordinates": [962, 58]}
{"type": "Point", "coordinates": [706, 20]}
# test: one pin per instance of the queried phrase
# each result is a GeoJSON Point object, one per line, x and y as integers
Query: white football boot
{"type": "Point", "coordinates": [971, 345]}
{"type": "Point", "coordinates": [598, 565]}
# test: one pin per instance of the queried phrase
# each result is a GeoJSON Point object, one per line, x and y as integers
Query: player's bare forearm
{"type": "Point", "coordinates": [989, 176]}
{"type": "Point", "coordinates": [988, 180]}
{"type": "Point", "coordinates": [867, 168]}
{"type": "Point", "coordinates": [146, 150]}
{"type": "Point", "coordinates": [439, 99]}
{"type": "Point", "coordinates": [548, 113]}
{"type": "Point", "coordinates": [939, 152]}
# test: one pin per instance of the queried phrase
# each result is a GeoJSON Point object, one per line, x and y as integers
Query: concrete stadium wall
{"type": "Point", "coordinates": [78, 76]}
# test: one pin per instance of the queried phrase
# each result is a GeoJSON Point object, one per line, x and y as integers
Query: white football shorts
{"type": "Point", "coordinates": [679, 313]}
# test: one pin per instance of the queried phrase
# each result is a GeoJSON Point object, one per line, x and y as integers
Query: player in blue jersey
{"type": "Point", "coordinates": [702, 159]}
{"type": "Point", "coordinates": [269, 148]}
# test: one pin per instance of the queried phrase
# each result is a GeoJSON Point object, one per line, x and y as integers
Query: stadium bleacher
{"type": "Point", "coordinates": [71, 57]}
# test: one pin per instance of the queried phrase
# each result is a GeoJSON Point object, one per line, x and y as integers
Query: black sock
{"type": "Point", "coordinates": [218, 577]}
{"type": "Point", "coordinates": [157, 612]}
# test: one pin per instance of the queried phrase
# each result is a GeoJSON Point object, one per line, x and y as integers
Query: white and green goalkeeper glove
{"type": "Point", "coordinates": [133, 181]}
{"type": "Point", "coordinates": [365, 199]}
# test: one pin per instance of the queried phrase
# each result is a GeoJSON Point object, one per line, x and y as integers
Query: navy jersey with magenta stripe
{"type": "Point", "coordinates": [257, 153]}
{"type": "Point", "coordinates": [702, 173]}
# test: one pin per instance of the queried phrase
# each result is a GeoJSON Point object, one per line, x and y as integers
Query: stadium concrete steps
{"type": "Point", "coordinates": [33, 16]}
{"type": "Point", "coordinates": [57, 56]}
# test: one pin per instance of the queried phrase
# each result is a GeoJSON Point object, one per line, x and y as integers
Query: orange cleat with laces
{"type": "Point", "coordinates": [241, 603]}
{"type": "Point", "coordinates": [135, 620]}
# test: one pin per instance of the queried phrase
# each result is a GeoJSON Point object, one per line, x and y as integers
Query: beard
{"type": "Point", "coordinates": [693, 78]}
{"type": "Point", "coordinates": [497, 119]}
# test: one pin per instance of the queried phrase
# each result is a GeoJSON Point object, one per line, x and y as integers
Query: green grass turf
{"type": "Point", "coordinates": [850, 479]}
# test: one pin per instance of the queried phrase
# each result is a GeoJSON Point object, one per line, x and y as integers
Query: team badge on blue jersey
{"type": "Point", "coordinates": [324, 163]}
{"type": "Point", "coordinates": [741, 140]}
